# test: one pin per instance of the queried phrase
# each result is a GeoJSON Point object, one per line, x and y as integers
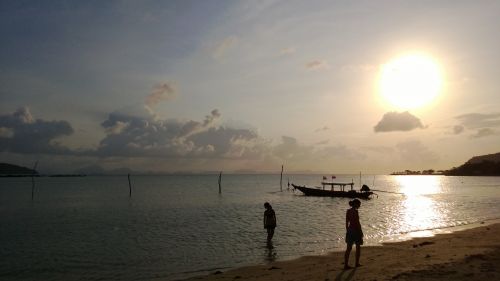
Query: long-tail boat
{"type": "Point", "coordinates": [364, 193]}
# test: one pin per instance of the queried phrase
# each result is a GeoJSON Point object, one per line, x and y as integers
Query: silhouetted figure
{"type": "Point", "coordinates": [354, 234]}
{"type": "Point", "coordinates": [269, 221]}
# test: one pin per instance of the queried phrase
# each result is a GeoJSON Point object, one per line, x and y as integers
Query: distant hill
{"type": "Point", "coordinates": [488, 157]}
{"type": "Point", "coordinates": [9, 169]}
{"type": "Point", "coordinates": [484, 165]}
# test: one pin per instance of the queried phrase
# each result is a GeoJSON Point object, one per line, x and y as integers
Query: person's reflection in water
{"type": "Point", "coordinates": [270, 252]}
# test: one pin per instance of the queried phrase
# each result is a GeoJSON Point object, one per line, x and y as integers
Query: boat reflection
{"type": "Point", "coordinates": [419, 210]}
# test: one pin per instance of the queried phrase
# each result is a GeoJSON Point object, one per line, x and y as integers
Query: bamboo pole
{"type": "Point", "coordinates": [220, 180]}
{"type": "Point", "coordinates": [281, 179]}
{"type": "Point", "coordinates": [33, 180]}
{"type": "Point", "coordinates": [129, 186]}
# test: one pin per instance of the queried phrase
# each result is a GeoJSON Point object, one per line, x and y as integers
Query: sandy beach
{"type": "Point", "coordinates": [471, 254]}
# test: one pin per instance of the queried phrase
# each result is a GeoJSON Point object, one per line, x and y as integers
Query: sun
{"type": "Point", "coordinates": [410, 81]}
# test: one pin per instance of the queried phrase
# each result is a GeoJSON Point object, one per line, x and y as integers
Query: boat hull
{"type": "Point", "coordinates": [333, 193]}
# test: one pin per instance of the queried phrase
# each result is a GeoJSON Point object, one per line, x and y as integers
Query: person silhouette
{"type": "Point", "coordinates": [354, 233]}
{"type": "Point", "coordinates": [269, 221]}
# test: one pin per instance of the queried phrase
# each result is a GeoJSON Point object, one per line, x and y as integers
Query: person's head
{"type": "Point", "coordinates": [355, 203]}
{"type": "Point", "coordinates": [267, 205]}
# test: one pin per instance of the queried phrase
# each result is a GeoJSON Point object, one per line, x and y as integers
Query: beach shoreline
{"type": "Point", "coordinates": [468, 252]}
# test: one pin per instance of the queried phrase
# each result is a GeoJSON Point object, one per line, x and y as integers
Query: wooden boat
{"type": "Point", "coordinates": [365, 192]}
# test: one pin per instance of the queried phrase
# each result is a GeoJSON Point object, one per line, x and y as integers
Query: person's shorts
{"type": "Point", "coordinates": [354, 237]}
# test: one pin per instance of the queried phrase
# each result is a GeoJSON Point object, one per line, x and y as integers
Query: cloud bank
{"type": "Point", "coordinates": [141, 139]}
{"type": "Point", "coordinates": [131, 136]}
{"type": "Point", "coordinates": [483, 124]}
{"type": "Point", "coordinates": [395, 121]}
{"type": "Point", "coordinates": [21, 133]}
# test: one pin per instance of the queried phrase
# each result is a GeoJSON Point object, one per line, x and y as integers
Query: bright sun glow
{"type": "Point", "coordinates": [410, 81]}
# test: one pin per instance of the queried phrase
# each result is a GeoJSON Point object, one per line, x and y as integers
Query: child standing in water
{"type": "Point", "coordinates": [354, 234]}
{"type": "Point", "coordinates": [269, 221]}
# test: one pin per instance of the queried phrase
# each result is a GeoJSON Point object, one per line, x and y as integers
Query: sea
{"type": "Point", "coordinates": [178, 226]}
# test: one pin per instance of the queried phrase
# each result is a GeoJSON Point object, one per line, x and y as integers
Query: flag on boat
{"type": "Point", "coordinates": [334, 177]}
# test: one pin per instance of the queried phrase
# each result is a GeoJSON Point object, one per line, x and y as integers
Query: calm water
{"type": "Point", "coordinates": [179, 226]}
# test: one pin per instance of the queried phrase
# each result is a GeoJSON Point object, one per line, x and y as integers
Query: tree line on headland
{"type": "Point", "coordinates": [484, 165]}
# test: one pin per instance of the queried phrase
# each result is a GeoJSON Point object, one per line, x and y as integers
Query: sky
{"type": "Point", "coordinates": [246, 86]}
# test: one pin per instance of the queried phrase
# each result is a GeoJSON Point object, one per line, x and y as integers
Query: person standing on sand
{"type": "Point", "coordinates": [269, 221]}
{"type": "Point", "coordinates": [354, 234]}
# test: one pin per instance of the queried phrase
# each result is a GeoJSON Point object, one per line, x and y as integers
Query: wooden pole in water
{"type": "Point", "coordinates": [220, 180]}
{"type": "Point", "coordinates": [281, 179]}
{"type": "Point", "coordinates": [33, 180]}
{"type": "Point", "coordinates": [129, 186]}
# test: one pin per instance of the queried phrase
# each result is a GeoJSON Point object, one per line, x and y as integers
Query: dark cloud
{"type": "Point", "coordinates": [21, 133]}
{"type": "Point", "coordinates": [484, 132]}
{"type": "Point", "coordinates": [479, 120]}
{"type": "Point", "coordinates": [396, 121]}
{"type": "Point", "coordinates": [317, 65]}
{"type": "Point", "coordinates": [289, 149]}
{"type": "Point", "coordinates": [150, 137]}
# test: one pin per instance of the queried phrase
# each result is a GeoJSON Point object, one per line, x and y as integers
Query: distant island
{"type": "Point", "coordinates": [10, 170]}
{"type": "Point", "coordinates": [14, 170]}
{"type": "Point", "coordinates": [484, 165]}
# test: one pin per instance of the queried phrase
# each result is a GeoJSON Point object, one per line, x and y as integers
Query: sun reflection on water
{"type": "Point", "coordinates": [419, 209]}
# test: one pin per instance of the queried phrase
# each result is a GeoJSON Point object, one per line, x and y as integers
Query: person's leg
{"type": "Point", "coordinates": [270, 234]}
{"type": "Point", "coordinates": [358, 253]}
{"type": "Point", "coordinates": [346, 255]}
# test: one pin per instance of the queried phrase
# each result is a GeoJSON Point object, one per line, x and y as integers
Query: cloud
{"type": "Point", "coordinates": [415, 152]}
{"type": "Point", "coordinates": [221, 49]}
{"type": "Point", "coordinates": [484, 132]}
{"type": "Point", "coordinates": [287, 51]}
{"type": "Point", "coordinates": [317, 65]}
{"type": "Point", "coordinates": [479, 120]}
{"type": "Point", "coordinates": [161, 92]}
{"type": "Point", "coordinates": [323, 142]}
{"type": "Point", "coordinates": [21, 133]}
{"type": "Point", "coordinates": [359, 68]}
{"type": "Point", "coordinates": [458, 129]}
{"type": "Point", "coordinates": [322, 129]}
{"type": "Point", "coordinates": [132, 136]}
{"type": "Point", "coordinates": [380, 149]}
{"type": "Point", "coordinates": [291, 150]}
{"type": "Point", "coordinates": [483, 123]}
{"type": "Point", "coordinates": [395, 121]}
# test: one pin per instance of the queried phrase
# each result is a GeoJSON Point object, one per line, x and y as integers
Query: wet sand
{"type": "Point", "coordinates": [472, 254]}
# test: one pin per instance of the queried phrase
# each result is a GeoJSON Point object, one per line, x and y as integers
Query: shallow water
{"type": "Point", "coordinates": [178, 226]}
